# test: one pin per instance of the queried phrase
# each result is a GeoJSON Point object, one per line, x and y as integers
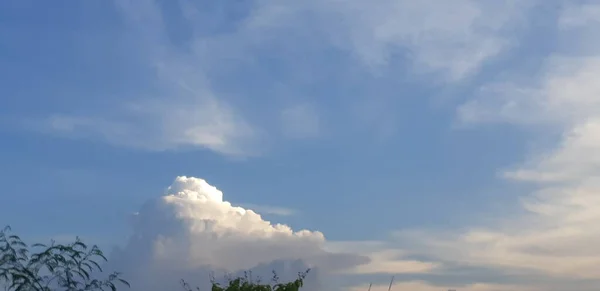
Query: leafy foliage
{"type": "Point", "coordinates": [246, 283]}
{"type": "Point", "coordinates": [55, 267]}
{"type": "Point", "coordinates": [69, 267]}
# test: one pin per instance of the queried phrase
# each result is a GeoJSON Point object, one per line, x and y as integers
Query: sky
{"type": "Point", "coordinates": [451, 144]}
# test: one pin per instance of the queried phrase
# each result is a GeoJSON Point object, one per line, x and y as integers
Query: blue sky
{"type": "Point", "coordinates": [406, 123]}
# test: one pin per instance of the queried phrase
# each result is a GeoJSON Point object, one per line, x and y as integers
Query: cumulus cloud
{"type": "Point", "coordinates": [192, 231]}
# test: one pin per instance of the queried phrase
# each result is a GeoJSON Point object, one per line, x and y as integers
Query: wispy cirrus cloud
{"type": "Point", "coordinates": [452, 38]}
{"type": "Point", "coordinates": [180, 111]}
{"type": "Point", "coordinates": [555, 236]}
{"type": "Point", "coordinates": [194, 95]}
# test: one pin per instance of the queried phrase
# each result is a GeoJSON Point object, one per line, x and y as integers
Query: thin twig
{"type": "Point", "coordinates": [391, 282]}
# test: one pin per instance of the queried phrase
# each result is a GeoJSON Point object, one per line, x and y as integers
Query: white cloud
{"type": "Point", "coordinates": [557, 235]}
{"type": "Point", "coordinates": [566, 95]}
{"type": "Point", "coordinates": [384, 259]}
{"type": "Point", "coordinates": [160, 124]}
{"type": "Point", "coordinates": [180, 111]}
{"type": "Point", "coordinates": [183, 109]}
{"type": "Point", "coordinates": [454, 38]}
{"type": "Point", "coordinates": [451, 40]}
{"type": "Point", "coordinates": [391, 261]}
{"type": "Point", "coordinates": [191, 231]}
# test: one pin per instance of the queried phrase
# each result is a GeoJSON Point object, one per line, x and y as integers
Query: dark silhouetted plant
{"type": "Point", "coordinates": [55, 267]}
{"type": "Point", "coordinates": [246, 283]}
